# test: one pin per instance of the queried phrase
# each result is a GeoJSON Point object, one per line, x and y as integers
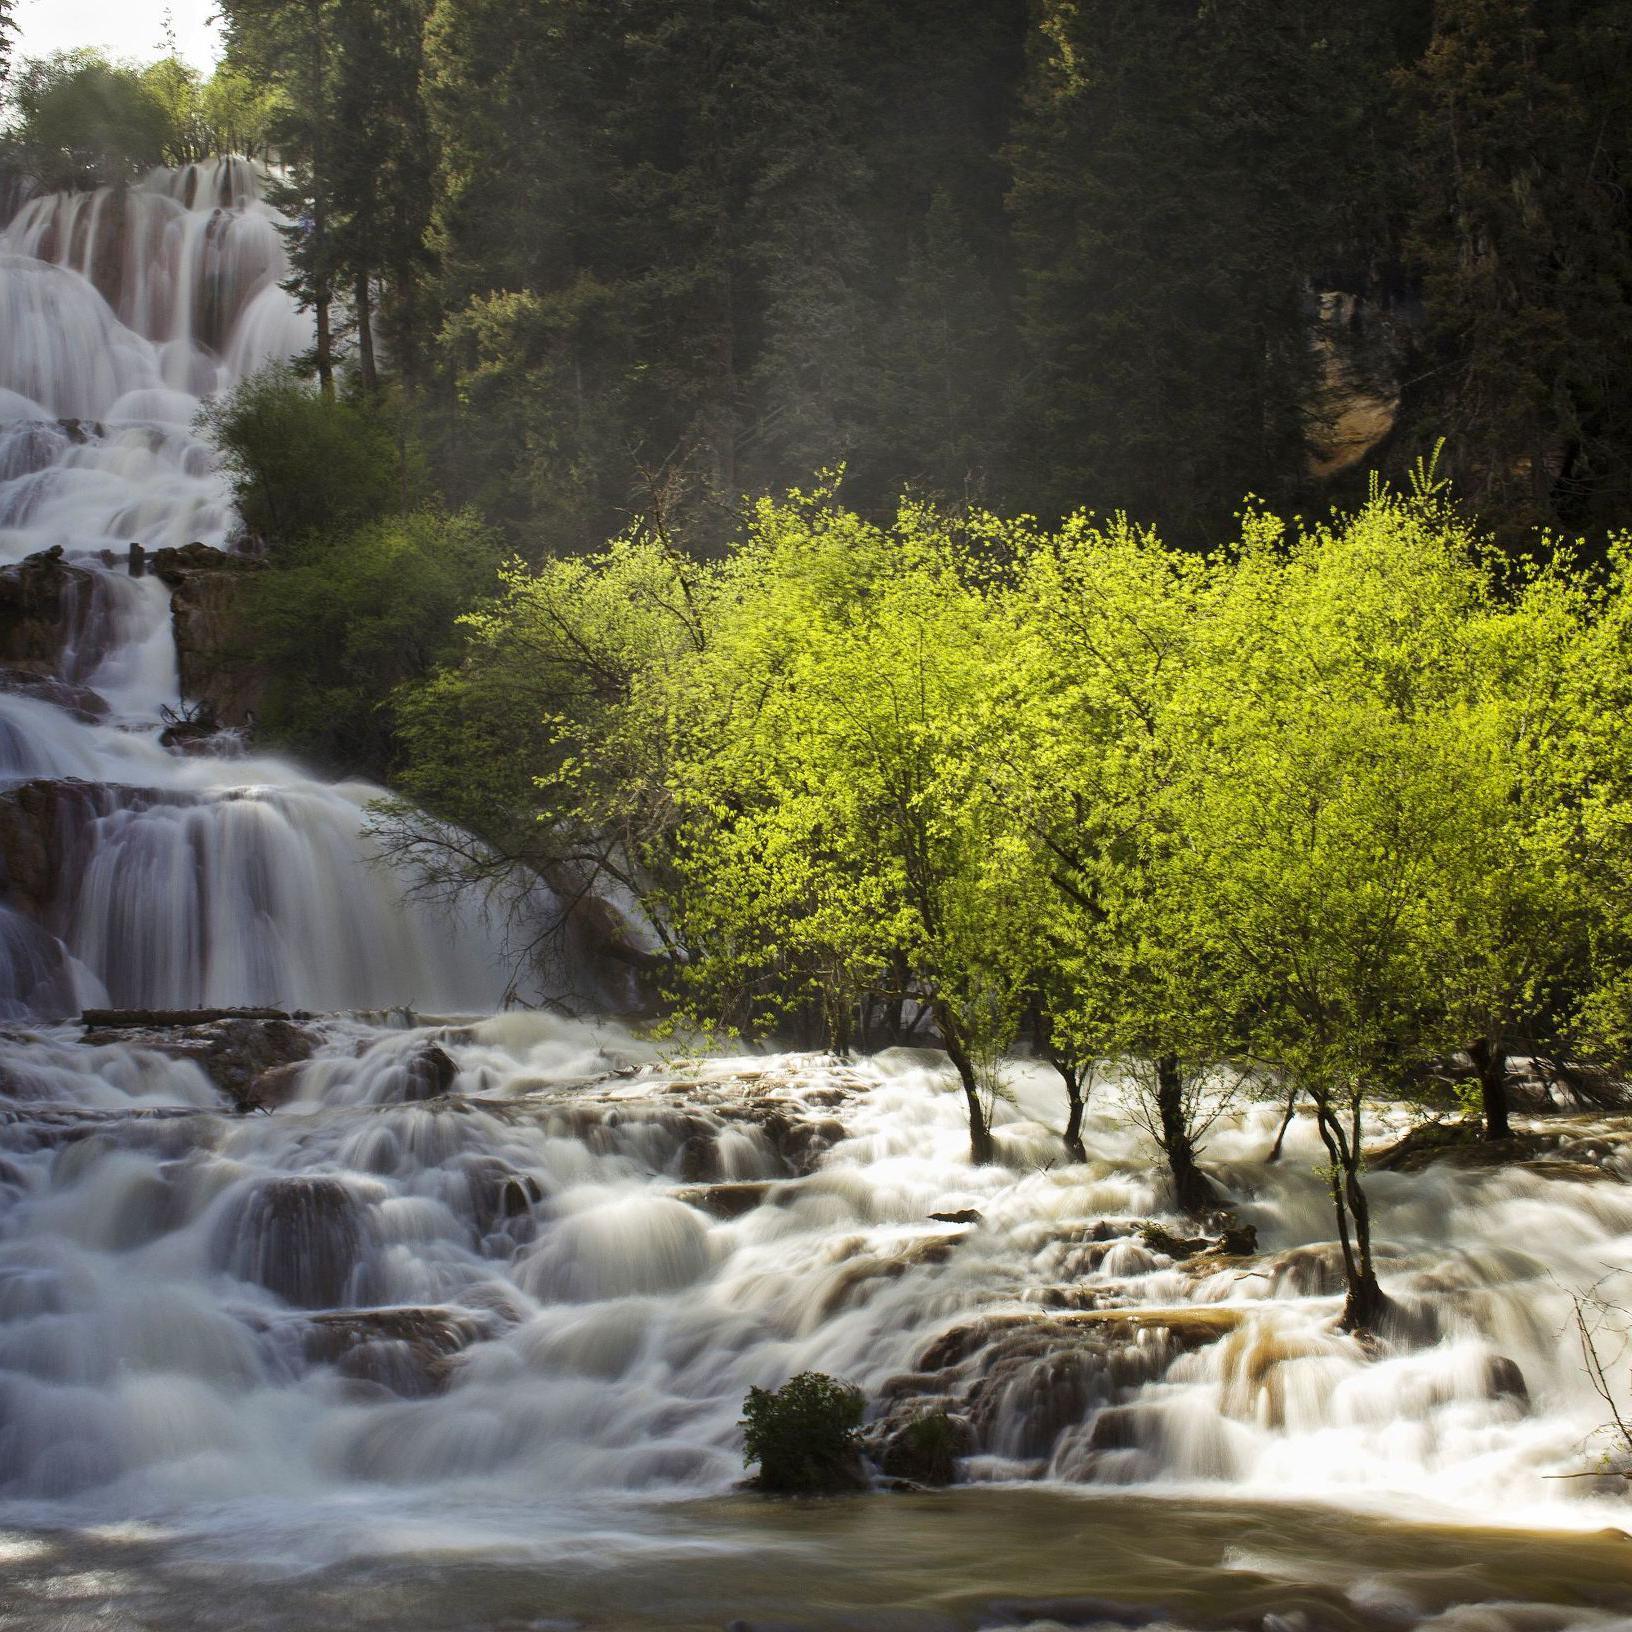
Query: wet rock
{"type": "Point", "coordinates": [1025, 1382]}
{"type": "Point", "coordinates": [267, 1090]}
{"type": "Point", "coordinates": [406, 1351]}
{"type": "Point", "coordinates": [1070, 1612]}
{"type": "Point", "coordinates": [966, 1215]}
{"type": "Point", "coordinates": [428, 1073]}
{"type": "Point", "coordinates": [80, 701]}
{"type": "Point", "coordinates": [237, 1049]}
{"type": "Point", "coordinates": [1172, 1246]}
{"type": "Point", "coordinates": [176, 564]}
{"type": "Point", "coordinates": [45, 829]}
{"type": "Point", "coordinates": [799, 1142]}
{"type": "Point", "coordinates": [724, 1200]}
{"type": "Point", "coordinates": [500, 1196]}
{"type": "Point", "coordinates": [304, 1238]}
{"type": "Point", "coordinates": [207, 615]}
{"type": "Point", "coordinates": [1459, 1144]}
{"type": "Point", "coordinates": [54, 618]}
{"type": "Point", "coordinates": [926, 1450]}
{"type": "Point", "coordinates": [1504, 1379]}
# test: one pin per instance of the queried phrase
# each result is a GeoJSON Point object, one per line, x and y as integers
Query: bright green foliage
{"type": "Point", "coordinates": [803, 1436]}
{"type": "Point", "coordinates": [1332, 809]}
{"type": "Point", "coordinates": [339, 621]}
{"type": "Point", "coordinates": [302, 464]}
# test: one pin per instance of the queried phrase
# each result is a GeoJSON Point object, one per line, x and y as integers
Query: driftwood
{"type": "Point", "coordinates": [126, 1019]}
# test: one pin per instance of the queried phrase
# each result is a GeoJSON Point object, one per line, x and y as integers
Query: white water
{"type": "Point", "coordinates": [551, 1332]}
{"type": "Point", "coordinates": [185, 881]}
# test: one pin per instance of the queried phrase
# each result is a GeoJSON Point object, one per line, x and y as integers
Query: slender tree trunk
{"type": "Point", "coordinates": [322, 293]}
{"type": "Point", "coordinates": [365, 335]}
{"type": "Point", "coordinates": [1363, 1302]}
{"type": "Point", "coordinates": [980, 1133]}
{"type": "Point", "coordinates": [1286, 1122]}
{"type": "Point", "coordinates": [1073, 1120]}
{"type": "Point", "coordinates": [1192, 1188]}
{"type": "Point", "coordinates": [320, 305]}
{"type": "Point", "coordinates": [1490, 1061]}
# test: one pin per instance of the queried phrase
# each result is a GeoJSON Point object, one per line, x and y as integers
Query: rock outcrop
{"type": "Point", "coordinates": [206, 611]}
{"type": "Point", "coordinates": [54, 617]}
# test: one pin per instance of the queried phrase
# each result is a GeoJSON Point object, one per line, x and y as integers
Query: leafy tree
{"type": "Point", "coordinates": [339, 621]}
{"type": "Point", "coordinates": [303, 464]}
{"type": "Point", "coordinates": [8, 27]}
{"type": "Point", "coordinates": [1327, 819]}
{"type": "Point", "coordinates": [82, 120]}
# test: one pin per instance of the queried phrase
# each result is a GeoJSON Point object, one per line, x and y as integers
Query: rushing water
{"type": "Point", "coordinates": [457, 1335]}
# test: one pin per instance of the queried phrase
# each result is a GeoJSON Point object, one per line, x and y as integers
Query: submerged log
{"type": "Point", "coordinates": [144, 1019]}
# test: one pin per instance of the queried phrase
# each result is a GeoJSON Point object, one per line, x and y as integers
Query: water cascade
{"type": "Point", "coordinates": [414, 1314]}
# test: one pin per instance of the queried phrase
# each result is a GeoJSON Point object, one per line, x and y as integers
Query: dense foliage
{"type": "Point", "coordinates": [1340, 803]}
{"type": "Point", "coordinates": [803, 1436]}
{"type": "Point", "coordinates": [1009, 253]}
{"type": "Point", "coordinates": [368, 574]}
{"type": "Point", "coordinates": [79, 119]}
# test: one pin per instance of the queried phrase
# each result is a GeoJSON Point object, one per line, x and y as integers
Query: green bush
{"type": "Point", "coordinates": [82, 120]}
{"type": "Point", "coordinates": [339, 621]}
{"type": "Point", "coordinates": [803, 1436]}
{"type": "Point", "coordinates": [303, 464]}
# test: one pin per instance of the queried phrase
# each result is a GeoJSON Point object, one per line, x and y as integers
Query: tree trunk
{"type": "Point", "coordinates": [1073, 1120]}
{"type": "Point", "coordinates": [980, 1133]}
{"type": "Point", "coordinates": [1286, 1122]}
{"type": "Point", "coordinates": [1191, 1187]}
{"type": "Point", "coordinates": [1490, 1061]}
{"type": "Point", "coordinates": [322, 294]}
{"type": "Point", "coordinates": [1363, 1301]}
{"type": "Point", "coordinates": [365, 335]}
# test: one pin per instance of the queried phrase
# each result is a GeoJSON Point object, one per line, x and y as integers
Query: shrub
{"type": "Point", "coordinates": [803, 1436]}
{"type": "Point", "coordinates": [338, 621]}
{"type": "Point", "coordinates": [303, 464]}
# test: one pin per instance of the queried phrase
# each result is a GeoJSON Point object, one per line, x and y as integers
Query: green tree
{"type": "Point", "coordinates": [82, 120]}
{"type": "Point", "coordinates": [305, 464]}
{"type": "Point", "coordinates": [338, 622]}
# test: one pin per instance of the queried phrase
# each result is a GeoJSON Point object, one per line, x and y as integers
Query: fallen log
{"type": "Point", "coordinates": [134, 1019]}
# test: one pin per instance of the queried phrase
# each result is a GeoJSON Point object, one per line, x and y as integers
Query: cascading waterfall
{"type": "Point", "coordinates": [491, 1290]}
{"type": "Point", "coordinates": [180, 882]}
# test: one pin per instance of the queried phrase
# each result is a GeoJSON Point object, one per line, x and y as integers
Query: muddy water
{"type": "Point", "coordinates": [911, 1563]}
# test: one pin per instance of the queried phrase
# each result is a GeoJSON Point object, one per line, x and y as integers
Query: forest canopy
{"type": "Point", "coordinates": [1030, 256]}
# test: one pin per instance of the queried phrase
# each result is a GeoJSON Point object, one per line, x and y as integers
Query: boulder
{"type": "Point", "coordinates": [239, 1050]}
{"type": "Point", "coordinates": [54, 617]}
{"type": "Point", "coordinates": [80, 701]}
{"type": "Point", "coordinates": [406, 1351]}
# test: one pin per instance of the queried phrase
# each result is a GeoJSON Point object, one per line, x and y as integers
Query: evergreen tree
{"type": "Point", "coordinates": [1518, 224]}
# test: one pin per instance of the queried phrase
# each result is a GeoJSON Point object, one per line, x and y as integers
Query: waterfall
{"type": "Point", "coordinates": [293, 1308]}
{"type": "Point", "coordinates": [172, 882]}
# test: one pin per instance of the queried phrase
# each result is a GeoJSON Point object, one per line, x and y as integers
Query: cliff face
{"type": "Point", "coordinates": [207, 612]}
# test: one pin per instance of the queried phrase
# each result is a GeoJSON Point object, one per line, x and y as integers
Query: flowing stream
{"type": "Point", "coordinates": [454, 1327]}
